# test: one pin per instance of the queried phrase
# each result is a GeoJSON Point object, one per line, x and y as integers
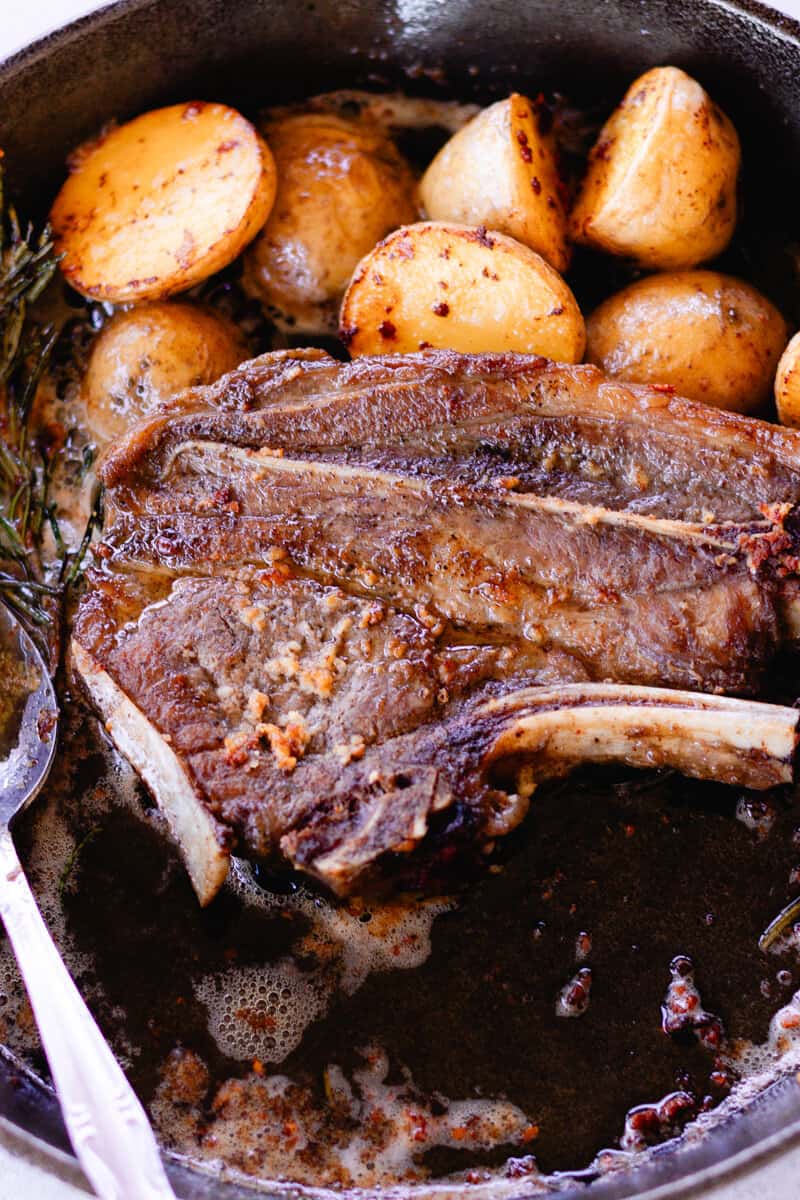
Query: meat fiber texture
{"type": "Point", "coordinates": [349, 615]}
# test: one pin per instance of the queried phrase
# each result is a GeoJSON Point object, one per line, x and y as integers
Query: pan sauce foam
{"type": "Point", "coordinates": [371, 1133]}
{"type": "Point", "coordinates": [262, 1011]}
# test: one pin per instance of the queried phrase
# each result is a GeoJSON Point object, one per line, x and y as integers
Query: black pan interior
{"type": "Point", "coordinates": [143, 52]}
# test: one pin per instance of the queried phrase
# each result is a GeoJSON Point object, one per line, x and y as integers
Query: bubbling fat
{"type": "Point", "coordinates": [262, 1011]}
{"type": "Point", "coordinates": [757, 1062]}
{"type": "Point", "coordinates": [367, 1133]}
{"type": "Point", "coordinates": [258, 1014]}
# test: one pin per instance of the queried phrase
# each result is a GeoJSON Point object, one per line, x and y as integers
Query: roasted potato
{"type": "Point", "coordinates": [147, 354]}
{"type": "Point", "coordinates": [342, 185]}
{"type": "Point", "coordinates": [458, 287]}
{"type": "Point", "coordinates": [661, 183]}
{"type": "Point", "coordinates": [155, 206]}
{"type": "Point", "coordinates": [787, 384]}
{"type": "Point", "coordinates": [500, 171]}
{"type": "Point", "coordinates": [712, 337]}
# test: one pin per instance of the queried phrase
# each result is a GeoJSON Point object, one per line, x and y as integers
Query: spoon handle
{"type": "Point", "coordinates": [107, 1125]}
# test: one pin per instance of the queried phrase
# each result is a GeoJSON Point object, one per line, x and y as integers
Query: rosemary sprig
{"type": "Point", "coordinates": [780, 925]}
{"type": "Point", "coordinates": [36, 568]}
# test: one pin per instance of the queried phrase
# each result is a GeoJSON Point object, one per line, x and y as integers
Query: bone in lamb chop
{"type": "Point", "coordinates": [348, 614]}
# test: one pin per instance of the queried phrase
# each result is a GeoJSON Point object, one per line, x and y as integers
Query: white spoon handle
{"type": "Point", "coordinates": [107, 1125]}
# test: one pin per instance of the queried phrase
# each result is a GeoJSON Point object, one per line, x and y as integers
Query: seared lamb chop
{"type": "Point", "coordinates": [559, 430]}
{"type": "Point", "coordinates": [284, 716]}
{"type": "Point", "coordinates": [335, 600]}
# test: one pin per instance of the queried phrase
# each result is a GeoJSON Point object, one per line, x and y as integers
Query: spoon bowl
{"type": "Point", "coordinates": [28, 718]}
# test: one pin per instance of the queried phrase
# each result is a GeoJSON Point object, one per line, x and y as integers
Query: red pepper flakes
{"type": "Point", "coordinates": [419, 1127]}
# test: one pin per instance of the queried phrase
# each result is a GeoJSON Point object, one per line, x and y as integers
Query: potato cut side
{"type": "Point", "coordinates": [501, 171]}
{"type": "Point", "coordinates": [661, 182]}
{"type": "Point", "coordinates": [457, 287]}
{"type": "Point", "coordinates": [159, 204]}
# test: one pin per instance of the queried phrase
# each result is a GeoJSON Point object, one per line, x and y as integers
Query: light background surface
{"type": "Point", "coordinates": [22, 1176]}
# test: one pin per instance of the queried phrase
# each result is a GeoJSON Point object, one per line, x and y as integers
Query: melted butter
{"type": "Point", "coordinates": [366, 1133]}
{"type": "Point", "coordinates": [262, 1011]}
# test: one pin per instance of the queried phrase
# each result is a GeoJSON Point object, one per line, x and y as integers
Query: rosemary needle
{"type": "Point", "coordinates": [30, 584]}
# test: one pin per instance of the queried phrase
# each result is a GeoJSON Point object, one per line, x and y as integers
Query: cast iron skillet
{"type": "Point", "coordinates": [139, 53]}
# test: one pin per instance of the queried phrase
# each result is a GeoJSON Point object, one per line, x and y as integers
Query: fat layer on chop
{"type": "Point", "coordinates": [564, 431]}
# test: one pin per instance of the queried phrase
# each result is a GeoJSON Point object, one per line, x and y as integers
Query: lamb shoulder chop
{"type": "Point", "coordinates": [350, 613]}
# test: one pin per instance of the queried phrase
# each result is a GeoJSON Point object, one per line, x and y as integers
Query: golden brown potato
{"type": "Point", "coordinates": [342, 185]}
{"type": "Point", "coordinates": [147, 354]}
{"type": "Point", "coordinates": [157, 205]}
{"type": "Point", "coordinates": [459, 288]}
{"type": "Point", "coordinates": [500, 171]}
{"type": "Point", "coordinates": [787, 384]}
{"type": "Point", "coordinates": [661, 183]}
{"type": "Point", "coordinates": [712, 337]}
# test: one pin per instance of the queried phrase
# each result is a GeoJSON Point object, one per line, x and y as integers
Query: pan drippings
{"type": "Point", "coordinates": [290, 1037]}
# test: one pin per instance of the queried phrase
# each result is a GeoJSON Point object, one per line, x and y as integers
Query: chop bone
{"type": "Point", "coordinates": [383, 805]}
{"type": "Point", "coordinates": [606, 586]}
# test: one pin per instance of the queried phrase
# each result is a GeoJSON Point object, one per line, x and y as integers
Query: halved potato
{"type": "Point", "coordinates": [460, 288]}
{"type": "Point", "coordinates": [500, 171]}
{"type": "Point", "coordinates": [787, 384]}
{"type": "Point", "coordinates": [710, 336]}
{"type": "Point", "coordinates": [157, 205]}
{"type": "Point", "coordinates": [147, 354]}
{"type": "Point", "coordinates": [661, 184]}
{"type": "Point", "coordinates": [342, 185]}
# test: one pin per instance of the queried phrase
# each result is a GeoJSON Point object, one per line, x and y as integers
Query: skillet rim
{"type": "Point", "coordinates": [760, 1134]}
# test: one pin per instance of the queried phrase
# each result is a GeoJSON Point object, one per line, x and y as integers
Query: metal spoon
{"type": "Point", "coordinates": [107, 1125]}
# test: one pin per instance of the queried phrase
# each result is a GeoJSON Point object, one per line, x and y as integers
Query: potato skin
{"type": "Point", "coordinates": [342, 185]}
{"type": "Point", "coordinates": [146, 354]}
{"type": "Point", "coordinates": [155, 206]}
{"type": "Point", "coordinates": [661, 182]}
{"type": "Point", "coordinates": [501, 171]}
{"type": "Point", "coordinates": [710, 336]}
{"type": "Point", "coordinates": [458, 287]}
{"type": "Point", "coordinates": [787, 384]}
